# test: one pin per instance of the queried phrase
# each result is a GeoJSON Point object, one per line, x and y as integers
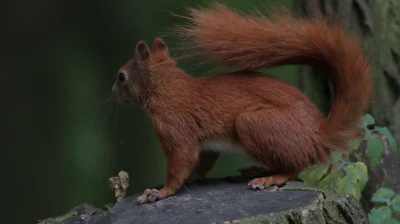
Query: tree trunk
{"type": "Point", "coordinates": [378, 23]}
{"type": "Point", "coordinates": [227, 201]}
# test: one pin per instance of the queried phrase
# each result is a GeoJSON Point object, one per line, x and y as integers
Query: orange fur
{"type": "Point", "coordinates": [271, 120]}
{"type": "Point", "coordinates": [252, 42]}
{"type": "Point", "coordinates": [265, 182]}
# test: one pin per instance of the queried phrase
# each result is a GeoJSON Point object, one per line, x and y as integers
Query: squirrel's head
{"type": "Point", "coordinates": [134, 79]}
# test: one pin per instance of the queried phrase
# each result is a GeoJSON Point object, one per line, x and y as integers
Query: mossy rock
{"type": "Point", "coordinates": [227, 201]}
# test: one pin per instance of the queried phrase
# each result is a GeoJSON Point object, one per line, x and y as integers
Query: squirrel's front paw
{"type": "Point", "coordinates": [150, 196]}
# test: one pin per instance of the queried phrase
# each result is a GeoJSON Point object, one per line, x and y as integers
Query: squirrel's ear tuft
{"type": "Point", "coordinates": [159, 46]}
{"type": "Point", "coordinates": [142, 51]}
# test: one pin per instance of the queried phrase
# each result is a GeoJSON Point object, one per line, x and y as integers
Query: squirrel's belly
{"type": "Point", "coordinates": [223, 146]}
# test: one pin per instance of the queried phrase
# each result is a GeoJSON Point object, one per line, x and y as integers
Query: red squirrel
{"type": "Point", "coordinates": [250, 113]}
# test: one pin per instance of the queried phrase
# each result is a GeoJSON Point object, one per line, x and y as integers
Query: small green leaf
{"type": "Point", "coordinates": [392, 142]}
{"type": "Point", "coordinates": [391, 220]}
{"type": "Point", "coordinates": [378, 199]}
{"type": "Point", "coordinates": [379, 215]}
{"type": "Point", "coordinates": [396, 207]}
{"type": "Point", "coordinates": [396, 203]}
{"type": "Point", "coordinates": [353, 144]}
{"type": "Point", "coordinates": [349, 184]}
{"type": "Point", "coordinates": [330, 182]}
{"type": "Point", "coordinates": [361, 171]}
{"type": "Point", "coordinates": [368, 135]}
{"type": "Point", "coordinates": [384, 193]}
{"type": "Point", "coordinates": [374, 149]}
{"type": "Point", "coordinates": [367, 120]}
{"type": "Point", "coordinates": [396, 199]}
{"type": "Point", "coordinates": [340, 166]}
{"type": "Point", "coordinates": [336, 156]}
{"type": "Point", "coordinates": [313, 174]}
{"type": "Point", "coordinates": [350, 170]}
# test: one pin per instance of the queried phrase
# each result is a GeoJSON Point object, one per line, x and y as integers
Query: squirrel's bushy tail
{"type": "Point", "coordinates": [255, 41]}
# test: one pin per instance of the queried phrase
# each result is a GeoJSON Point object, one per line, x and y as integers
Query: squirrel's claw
{"type": "Point", "coordinates": [149, 196]}
{"type": "Point", "coordinates": [268, 181]}
{"type": "Point", "coordinates": [258, 184]}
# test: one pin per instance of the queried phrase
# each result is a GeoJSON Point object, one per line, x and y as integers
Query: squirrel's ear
{"type": "Point", "coordinates": [142, 51]}
{"type": "Point", "coordinates": [159, 46]}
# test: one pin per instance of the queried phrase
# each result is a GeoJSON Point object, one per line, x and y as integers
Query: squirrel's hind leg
{"type": "Point", "coordinates": [264, 178]}
{"type": "Point", "coordinates": [265, 182]}
{"type": "Point", "coordinates": [285, 140]}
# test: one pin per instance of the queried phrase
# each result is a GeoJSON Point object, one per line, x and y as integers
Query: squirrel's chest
{"type": "Point", "coordinates": [223, 146]}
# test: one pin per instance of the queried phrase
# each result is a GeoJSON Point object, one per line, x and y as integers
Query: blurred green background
{"type": "Point", "coordinates": [61, 139]}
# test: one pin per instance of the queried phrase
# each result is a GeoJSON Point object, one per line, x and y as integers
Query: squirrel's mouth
{"type": "Point", "coordinates": [125, 96]}
{"type": "Point", "coordinates": [124, 101]}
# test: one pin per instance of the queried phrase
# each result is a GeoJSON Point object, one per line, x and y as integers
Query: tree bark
{"type": "Point", "coordinates": [227, 201]}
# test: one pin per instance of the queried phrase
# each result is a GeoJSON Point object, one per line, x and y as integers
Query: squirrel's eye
{"type": "Point", "coordinates": [122, 77]}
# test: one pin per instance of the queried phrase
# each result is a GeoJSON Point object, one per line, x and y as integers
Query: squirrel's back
{"type": "Point", "coordinates": [249, 42]}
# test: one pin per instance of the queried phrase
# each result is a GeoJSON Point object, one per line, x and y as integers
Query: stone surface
{"type": "Point", "coordinates": [225, 201]}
